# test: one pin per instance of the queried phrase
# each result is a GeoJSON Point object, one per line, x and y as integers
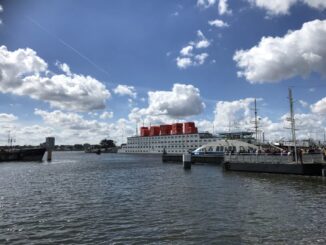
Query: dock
{"type": "Point", "coordinates": [311, 165]}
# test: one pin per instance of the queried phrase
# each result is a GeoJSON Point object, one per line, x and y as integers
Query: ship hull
{"type": "Point", "coordinates": [34, 154]}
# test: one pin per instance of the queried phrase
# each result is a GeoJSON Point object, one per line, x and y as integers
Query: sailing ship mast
{"type": "Point", "coordinates": [293, 125]}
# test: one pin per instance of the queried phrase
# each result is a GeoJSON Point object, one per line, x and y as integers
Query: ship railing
{"type": "Point", "coordinates": [277, 158]}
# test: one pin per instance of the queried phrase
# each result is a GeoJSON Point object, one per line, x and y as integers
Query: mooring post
{"type": "Point", "coordinates": [49, 147]}
{"type": "Point", "coordinates": [323, 172]}
{"type": "Point", "coordinates": [186, 160]}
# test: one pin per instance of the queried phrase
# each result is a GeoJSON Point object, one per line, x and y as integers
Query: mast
{"type": "Point", "coordinates": [293, 125]}
{"type": "Point", "coordinates": [256, 121]}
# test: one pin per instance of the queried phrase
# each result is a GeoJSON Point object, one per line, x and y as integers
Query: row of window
{"type": "Point", "coordinates": [161, 142]}
{"type": "Point", "coordinates": [161, 146]}
{"type": "Point", "coordinates": [159, 151]}
{"type": "Point", "coordinates": [220, 148]}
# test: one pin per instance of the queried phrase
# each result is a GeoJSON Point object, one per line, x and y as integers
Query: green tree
{"type": "Point", "coordinates": [105, 143]}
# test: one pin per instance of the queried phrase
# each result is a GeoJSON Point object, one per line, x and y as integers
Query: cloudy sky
{"type": "Point", "coordinates": [86, 70]}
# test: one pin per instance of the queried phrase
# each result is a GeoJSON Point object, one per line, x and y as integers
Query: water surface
{"type": "Point", "coordinates": [83, 198]}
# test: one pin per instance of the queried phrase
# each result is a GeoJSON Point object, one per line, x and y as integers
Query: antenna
{"type": "Point", "coordinates": [293, 125]}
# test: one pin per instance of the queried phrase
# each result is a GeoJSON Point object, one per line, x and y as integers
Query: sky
{"type": "Point", "coordinates": [84, 70]}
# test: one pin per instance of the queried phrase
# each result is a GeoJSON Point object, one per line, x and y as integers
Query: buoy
{"type": "Point", "coordinates": [186, 160]}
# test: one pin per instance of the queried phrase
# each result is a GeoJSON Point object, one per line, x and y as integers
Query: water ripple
{"type": "Point", "coordinates": [130, 199]}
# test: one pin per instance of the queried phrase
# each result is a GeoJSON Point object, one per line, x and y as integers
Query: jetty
{"type": "Point", "coordinates": [309, 164]}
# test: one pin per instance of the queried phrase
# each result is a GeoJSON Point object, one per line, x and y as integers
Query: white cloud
{"type": "Point", "coordinates": [229, 113]}
{"type": "Point", "coordinates": [72, 128]}
{"type": "Point", "coordinates": [1, 8]}
{"type": "Point", "coordinates": [319, 107]}
{"type": "Point", "coordinates": [282, 7]}
{"type": "Point", "coordinates": [318, 4]}
{"type": "Point", "coordinates": [275, 7]}
{"type": "Point", "coordinates": [218, 23]}
{"type": "Point", "coordinates": [23, 73]}
{"type": "Point", "coordinates": [184, 62]}
{"type": "Point", "coordinates": [187, 51]}
{"type": "Point", "coordinates": [4, 117]}
{"type": "Point", "coordinates": [298, 53]}
{"type": "Point", "coordinates": [188, 57]}
{"type": "Point", "coordinates": [202, 42]}
{"type": "Point", "coordinates": [64, 67]}
{"type": "Point", "coordinates": [183, 101]}
{"type": "Point", "coordinates": [238, 115]}
{"type": "Point", "coordinates": [106, 115]}
{"type": "Point", "coordinates": [205, 3]}
{"type": "Point", "coordinates": [223, 7]}
{"type": "Point", "coordinates": [200, 58]}
{"type": "Point", "coordinates": [125, 90]}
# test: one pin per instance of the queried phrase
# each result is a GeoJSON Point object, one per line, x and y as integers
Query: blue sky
{"type": "Point", "coordinates": [62, 63]}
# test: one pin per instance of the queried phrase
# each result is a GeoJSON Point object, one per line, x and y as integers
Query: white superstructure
{"type": "Point", "coordinates": [179, 143]}
{"type": "Point", "coordinates": [226, 146]}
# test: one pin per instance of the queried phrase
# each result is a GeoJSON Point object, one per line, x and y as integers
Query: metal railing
{"type": "Point", "coordinates": [276, 158]}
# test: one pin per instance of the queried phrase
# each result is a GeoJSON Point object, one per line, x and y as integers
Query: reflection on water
{"type": "Point", "coordinates": [113, 198]}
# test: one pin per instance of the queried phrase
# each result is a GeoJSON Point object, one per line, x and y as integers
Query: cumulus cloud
{"type": "Point", "coordinates": [202, 41]}
{"type": "Point", "coordinates": [24, 73]}
{"type": "Point", "coordinates": [182, 101]}
{"type": "Point", "coordinates": [218, 23]}
{"type": "Point", "coordinates": [125, 90]}
{"type": "Point", "coordinates": [106, 115]}
{"type": "Point", "coordinates": [319, 107]}
{"type": "Point", "coordinates": [188, 54]}
{"type": "Point", "coordinates": [187, 51]}
{"type": "Point", "coordinates": [184, 62]}
{"type": "Point", "coordinates": [223, 7]}
{"type": "Point", "coordinates": [200, 58]}
{"type": "Point", "coordinates": [318, 4]}
{"type": "Point", "coordinates": [298, 53]}
{"type": "Point", "coordinates": [4, 117]}
{"type": "Point", "coordinates": [238, 115]}
{"type": "Point", "coordinates": [64, 67]}
{"type": "Point", "coordinates": [275, 7]}
{"type": "Point", "coordinates": [231, 112]}
{"type": "Point", "coordinates": [205, 3]}
{"type": "Point", "coordinates": [282, 7]}
{"type": "Point", "coordinates": [72, 128]}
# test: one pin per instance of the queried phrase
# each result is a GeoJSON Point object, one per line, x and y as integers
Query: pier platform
{"type": "Point", "coordinates": [312, 164]}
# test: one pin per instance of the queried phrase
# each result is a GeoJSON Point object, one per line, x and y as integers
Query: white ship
{"type": "Point", "coordinates": [177, 138]}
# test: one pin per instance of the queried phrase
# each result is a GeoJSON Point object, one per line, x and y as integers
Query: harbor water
{"type": "Point", "coordinates": [81, 198]}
